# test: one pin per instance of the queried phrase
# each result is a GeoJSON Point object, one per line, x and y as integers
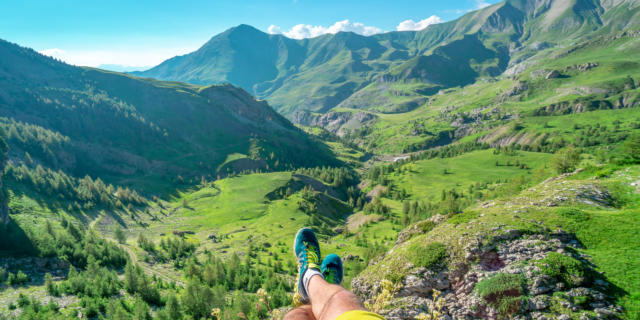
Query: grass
{"type": "Point", "coordinates": [427, 178]}
{"type": "Point", "coordinates": [503, 291]}
{"type": "Point", "coordinates": [427, 256]}
{"type": "Point", "coordinates": [563, 268]}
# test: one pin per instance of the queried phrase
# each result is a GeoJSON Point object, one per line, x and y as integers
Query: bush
{"type": "Point", "coordinates": [426, 226]}
{"type": "Point", "coordinates": [563, 268]}
{"type": "Point", "coordinates": [503, 292]}
{"type": "Point", "coordinates": [18, 279]}
{"type": "Point", "coordinates": [566, 160]}
{"type": "Point", "coordinates": [50, 286]}
{"type": "Point", "coordinates": [427, 256]}
{"type": "Point", "coordinates": [23, 300]}
{"type": "Point", "coordinates": [631, 149]}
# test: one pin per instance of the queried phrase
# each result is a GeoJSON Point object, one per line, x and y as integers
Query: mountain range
{"type": "Point", "coordinates": [322, 73]}
{"type": "Point", "coordinates": [87, 121]}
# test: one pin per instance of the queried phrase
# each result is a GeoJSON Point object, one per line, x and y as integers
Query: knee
{"type": "Point", "coordinates": [299, 313]}
{"type": "Point", "coordinates": [346, 296]}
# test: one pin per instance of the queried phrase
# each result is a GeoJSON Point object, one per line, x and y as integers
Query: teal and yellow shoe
{"type": "Point", "coordinates": [307, 250]}
{"type": "Point", "coordinates": [331, 269]}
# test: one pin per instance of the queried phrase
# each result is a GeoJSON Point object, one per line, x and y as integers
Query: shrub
{"type": "Point", "coordinates": [50, 286]}
{"type": "Point", "coordinates": [566, 160]}
{"type": "Point", "coordinates": [563, 268]}
{"type": "Point", "coordinates": [426, 226]}
{"type": "Point", "coordinates": [23, 300]}
{"type": "Point", "coordinates": [503, 292]}
{"type": "Point", "coordinates": [631, 149]}
{"type": "Point", "coordinates": [18, 279]}
{"type": "Point", "coordinates": [427, 256]}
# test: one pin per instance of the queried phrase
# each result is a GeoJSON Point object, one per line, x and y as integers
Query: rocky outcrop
{"type": "Point", "coordinates": [516, 90]}
{"type": "Point", "coordinates": [554, 74]}
{"type": "Point", "coordinates": [576, 106]}
{"type": "Point", "coordinates": [582, 67]}
{"type": "Point", "coordinates": [504, 251]}
{"type": "Point", "coordinates": [339, 123]}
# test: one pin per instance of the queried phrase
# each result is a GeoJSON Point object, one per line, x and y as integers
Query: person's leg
{"type": "Point", "coordinates": [328, 301]}
{"type": "Point", "coordinates": [300, 313]}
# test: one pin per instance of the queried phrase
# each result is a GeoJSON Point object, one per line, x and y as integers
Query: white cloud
{"type": "Point", "coordinates": [302, 31]}
{"type": "Point", "coordinates": [410, 25]}
{"type": "Point", "coordinates": [54, 52]}
{"type": "Point", "coordinates": [130, 57]}
{"type": "Point", "coordinates": [274, 29]}
{"type": "Point", "coordinates": [481, 4]}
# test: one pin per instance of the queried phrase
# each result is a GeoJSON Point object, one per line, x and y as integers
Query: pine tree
{"type": "Point", "coordinates": [118, 233]}
{"type": "Point", "coordinates": [173, 307]}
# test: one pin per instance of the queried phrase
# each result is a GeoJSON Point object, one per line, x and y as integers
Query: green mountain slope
{"type": "Point", "coordinates": [318, 74]}
{"type": "Point", "coordinates": [136, 132]}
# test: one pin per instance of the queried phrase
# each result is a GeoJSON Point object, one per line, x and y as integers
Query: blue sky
{"type": "Point", "coordinates": [144, 33]}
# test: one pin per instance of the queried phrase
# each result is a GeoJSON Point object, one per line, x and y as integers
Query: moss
{"type": "Point", "coordinates": [563, 268]}
{"type": "Point", "coordinates": [503, 292]}
{"type": "Point", "coordinates": [427, 256]}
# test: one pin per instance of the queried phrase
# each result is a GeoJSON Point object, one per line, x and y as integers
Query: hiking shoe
{"type": "Point", "coordinates": [331, 269]}
{"type": "Point", "coordinates": [307, 251]}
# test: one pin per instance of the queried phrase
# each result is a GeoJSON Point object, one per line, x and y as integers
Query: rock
{"type": "Point", "coordinates": [598, 305]}
{"type": "Point", "coordinates": [350, 257]}
{"type": "Point", "coordinates": [422, 286]}
{"type": "Point", "coordinates": [338, 123]}
{"type": "Point", "coordinates": [538, 303]}
{"type": "Point", "coordinates": [563, 317]}
{"type": "Point", "coordinates": [578, 292]}
{"type": "Point", "coordinates": [598, 296]}
{"type": "Point", "coordinates": [554, 74]}
{"type": "Point", "coordinates": [604, 312]}
{"type": "Point", "coordinates": [540, 285]}
{"type": "Point", "coordinates": [538, 316]}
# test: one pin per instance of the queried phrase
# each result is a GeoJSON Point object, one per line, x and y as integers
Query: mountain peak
{"type": "Point", "coordinates": [244, 29]}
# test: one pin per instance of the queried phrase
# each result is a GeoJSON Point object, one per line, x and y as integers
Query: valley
{"type": "Point", "coordinates": [485, 167]}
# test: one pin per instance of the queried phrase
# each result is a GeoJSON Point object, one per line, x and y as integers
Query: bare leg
{"type": "Point", "coordinates": [300, 313]}
{"type": "Point", "coordinates": [328, 301]}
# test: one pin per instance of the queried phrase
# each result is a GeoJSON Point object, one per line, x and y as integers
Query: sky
{"type": "Point", "coordinates": [134, 35]}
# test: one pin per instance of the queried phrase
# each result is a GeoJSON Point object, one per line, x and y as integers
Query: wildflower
{"type": "Point", "coordinates": [215, 313]}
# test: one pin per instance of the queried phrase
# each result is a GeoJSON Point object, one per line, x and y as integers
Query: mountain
{"type": "Point", "coordinates": [125, 130]}
{"type": "Point", "coordinates": [121, 67]}
{"type": "Point", "coordinates": [320, 73]}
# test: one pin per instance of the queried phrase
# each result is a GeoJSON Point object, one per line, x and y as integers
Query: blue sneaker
{"type": "Point", "coordinates": [331, 269]}
{"type": "Point", "coordinates": [307, 250]}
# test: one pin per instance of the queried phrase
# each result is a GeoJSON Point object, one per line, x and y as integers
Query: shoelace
{"type": "Point", "coordinates": [312, 257]}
